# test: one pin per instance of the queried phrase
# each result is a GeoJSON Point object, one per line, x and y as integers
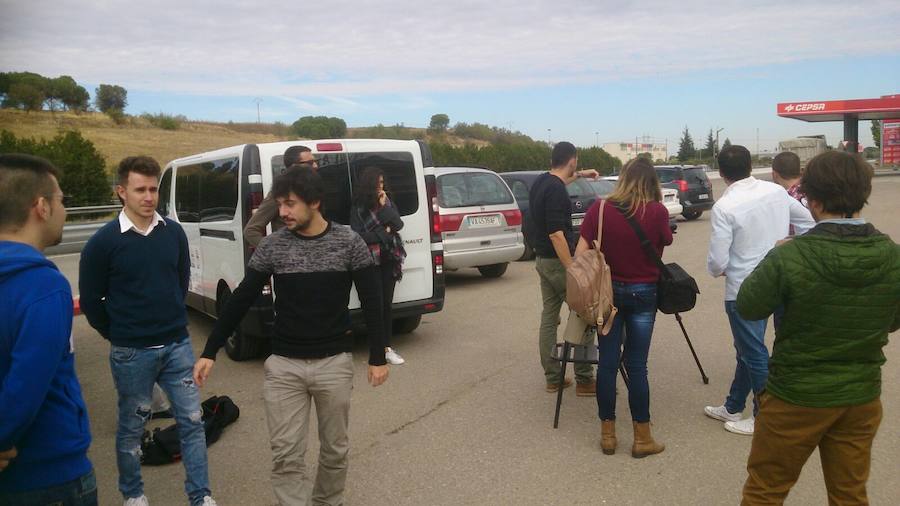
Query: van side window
{"type": "Point", "coordinates": [165, 185]}
{"type": "Point", "coordinates": [336, 178]}
{"type": "Point", "coordinates": [208, 191]}
{"type": "Point", "coordinates": [399, 177]}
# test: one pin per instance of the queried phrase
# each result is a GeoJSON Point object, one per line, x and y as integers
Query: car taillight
{"type": "Point", "coordinates": [513, 217]}
{"type": "Point", "coordinates": [329, 146]}
{"type": "Point", "coordinates": [433, 215]}
{"type": "Point", "coordinates": [682, 184]}
{"type": "Point", "coordinates": [255, 197]}
{"type": "Point", "coordinates": [438, 259]}
{"type": "Point", "coordinates": [450, 222]}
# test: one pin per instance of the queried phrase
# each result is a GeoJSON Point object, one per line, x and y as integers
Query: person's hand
{"type": "Point", "coordinates": [202, 369]}
{"type": "Point", "coordinates": [378, 374]}
{"type": "Point", "coordinates": [591, 173]}
{"type": "Point", "coordinates": [6, 457]}
{"type": "Point", "coordinates": [382, 198]}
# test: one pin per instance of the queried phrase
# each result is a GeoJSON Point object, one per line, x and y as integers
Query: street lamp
{"type": "Point", "coordinates": [597, 139]}
{"type": "Point", "coordinates": [549, 138]}
{"type": "Point", "coordinates": [716, 150]}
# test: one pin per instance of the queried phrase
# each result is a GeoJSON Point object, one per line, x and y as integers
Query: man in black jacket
{"type": "Point", "coordinates": [314, 262]}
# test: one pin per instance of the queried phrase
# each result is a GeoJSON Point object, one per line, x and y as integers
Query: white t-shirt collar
{"type": "Point", "coordinates": [125, 223]}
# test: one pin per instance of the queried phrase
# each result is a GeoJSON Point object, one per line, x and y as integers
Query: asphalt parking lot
{"type": "Point", "coordinates": [467, 421]}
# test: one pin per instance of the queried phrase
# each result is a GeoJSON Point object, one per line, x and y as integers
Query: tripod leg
{"type": "Point", "coordinates": [564, 359]}
{"type": "Point", "coordinates": [691, 346]}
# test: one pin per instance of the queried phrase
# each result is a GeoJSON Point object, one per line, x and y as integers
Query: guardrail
{"type": "Point", "coordinates": [76, 234]}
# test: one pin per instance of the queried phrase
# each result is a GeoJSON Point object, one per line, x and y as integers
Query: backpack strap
{"type": "Point", "coordinates": [599, 240]}
{"type": "Point", "coordinates": [645, 243]}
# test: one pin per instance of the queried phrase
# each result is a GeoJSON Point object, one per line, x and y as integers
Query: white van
{"type": "Point", "coordinates": [213, 195]}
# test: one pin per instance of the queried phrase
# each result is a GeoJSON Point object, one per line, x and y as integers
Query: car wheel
{"type": "Point", "coordinates": [528, 254]}
{"type": "Point", "coordinates": [238, 346]}
{"type": "Point", "coordinates": [407, 324]}
{"type": "Point", "coordinates": [493, 271]}
{"type": "Point", "coordinates": [691, 215]}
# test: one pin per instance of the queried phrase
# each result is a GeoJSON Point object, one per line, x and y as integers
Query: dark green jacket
{"type": "Point", "coordinates": [840, 287]}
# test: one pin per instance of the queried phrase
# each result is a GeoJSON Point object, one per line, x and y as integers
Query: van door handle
{"type": "Point", "coordinates": [218, 234]}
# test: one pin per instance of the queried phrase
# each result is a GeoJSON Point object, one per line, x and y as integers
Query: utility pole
{"type": "Point", "coordinates": [757, 144]}
{"type": "Point", "coordinates": [597, 139]}
{"type": "Point", "coordinates": [257, 100]}
{"type": "Point", "coordinates": [550, 137]}
{"type": "Point", "coordinates": [716, 150]}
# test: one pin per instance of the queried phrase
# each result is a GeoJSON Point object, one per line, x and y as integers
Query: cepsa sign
{"type": "Point", "coordinates": [802, 107]}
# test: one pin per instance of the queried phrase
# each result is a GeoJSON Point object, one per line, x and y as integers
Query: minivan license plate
{"type": "Point", "coordinates": [703, 196]}
{"type": "Point", "coordinates": [576, 222]}
{"type": "Point", "coordinates": [484, 221]}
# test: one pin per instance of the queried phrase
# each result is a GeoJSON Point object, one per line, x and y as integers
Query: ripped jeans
{"type": "Point", "coordinates": [134, 372]}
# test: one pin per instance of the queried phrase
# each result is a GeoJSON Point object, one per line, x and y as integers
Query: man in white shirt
{"type": "Point", "coordinates": [747, 221]}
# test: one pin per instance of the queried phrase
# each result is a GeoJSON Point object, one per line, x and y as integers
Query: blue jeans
{"type": "Point", "coordinates": [633, 324]}
{"type": "Point", "coordinates": [752, 367]}
{"type": "Point", "coordinates": [134, 372]}
{"type": "Point", "coordinates": [78, 492]}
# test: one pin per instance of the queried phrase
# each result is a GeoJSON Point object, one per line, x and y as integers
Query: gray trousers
{"type": "Point", "coordinates": [291, 385]}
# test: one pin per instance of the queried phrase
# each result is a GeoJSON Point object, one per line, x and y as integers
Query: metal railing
{"type": "Point", "coordinates": [77, 233]}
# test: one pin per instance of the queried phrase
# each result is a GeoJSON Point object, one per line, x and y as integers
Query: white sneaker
{"type": "Point", "coordinates": [743, 427]}
{"type": "Point", "coordinates": [137, 501]}
{"type": "Point", "coordinates": [721, 414]}
{"type": "Point", "coordinates": [393, 357]}
{"type": "Point", "coordinates": [208, 501]}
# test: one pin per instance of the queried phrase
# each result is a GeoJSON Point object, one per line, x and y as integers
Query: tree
{"type": "Point", "coordinates": [319, 127]}
{"type": "Point", "coordinates": [25, 95]}
{"type": "Point", "coordinates": [439, 123]}
{"type": "Point", "coordinates": [727, 143]}
{"type": "Point", "coordinates": [110, 97]}
{"type": "Point", "coordinates": [876, 133]}
{"type": "Point", "coordinates": [710, 149]}
{"type": "Point", "coordinates": [686, 149]}
{"type": "Point", "coordinates": [67, 91]}
{"type": "Point", "coordinates": [82, 167]}
{"type": "Point", "coordinates": [646, 155]}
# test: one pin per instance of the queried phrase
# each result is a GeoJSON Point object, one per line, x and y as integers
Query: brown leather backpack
{"type": "Point", "coordinates": [589, 284]}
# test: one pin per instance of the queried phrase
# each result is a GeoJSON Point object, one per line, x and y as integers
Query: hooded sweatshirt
{"type": "Point", "coordinates": [42, 412]}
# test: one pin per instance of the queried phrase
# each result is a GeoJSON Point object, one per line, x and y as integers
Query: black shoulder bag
{"type": "Point", "coordinates": [676, 290]}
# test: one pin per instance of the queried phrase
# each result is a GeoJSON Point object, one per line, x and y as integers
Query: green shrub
{"type": "Point", "coordinates": [83, 176]}
{"type": "Point", "coordinates": [164, 121]}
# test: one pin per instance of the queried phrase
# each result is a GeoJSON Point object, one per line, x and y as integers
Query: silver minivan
{"type": "Point", "coordinates": [481, 224]}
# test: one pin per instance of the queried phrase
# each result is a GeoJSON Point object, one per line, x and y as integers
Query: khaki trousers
{"type": "Point", "coordinates": [290, 387]}
{"type": "Point", "coordinates": [786, 434]}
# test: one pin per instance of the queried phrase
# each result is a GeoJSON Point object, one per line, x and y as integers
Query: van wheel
{"type": "Point", "coordinates": [407, 324]}
{"type": "Point", "coordinates": [691, 215]}
{"type": "Point", "coordinates": [493, 271]}
{"type": "Point", "coordinates": [238, 346]}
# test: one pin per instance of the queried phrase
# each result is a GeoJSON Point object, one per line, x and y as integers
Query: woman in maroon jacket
{"type": "Point", "coordinates": [634, 277]}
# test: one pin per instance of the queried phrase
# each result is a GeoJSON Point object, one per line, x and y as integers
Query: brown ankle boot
{"type": "Point", "coordinates": [643, 442]}
{"type": "Point", "coordinates": [608, 436]}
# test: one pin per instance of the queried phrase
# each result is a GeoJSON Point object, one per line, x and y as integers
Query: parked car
{"type": "Point", "coordinates": [213, 195]}
{"type": "Point", "coordinates": [694, 189]}
{"type": "Point", "coordinates": [480, 221]}
{"type": "Point", "coordinates": [670, 196]}
{"type": "Point", "coordinates": [581, 195]}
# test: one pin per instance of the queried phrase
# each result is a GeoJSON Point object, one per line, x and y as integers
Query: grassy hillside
{"type": "Point", "coordinates": [137, 136]}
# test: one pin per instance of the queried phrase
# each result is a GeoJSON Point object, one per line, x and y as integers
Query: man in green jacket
{"type": "Point", "coordinates": [840, 287]}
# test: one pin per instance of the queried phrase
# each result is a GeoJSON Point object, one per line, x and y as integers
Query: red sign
{"type": "Point", "coordinates": [835, 110]}
{"type": "Point", "coordinates": [890, 142]}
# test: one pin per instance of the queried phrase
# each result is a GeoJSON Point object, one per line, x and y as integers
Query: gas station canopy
{"type": "Point", "coordinates": [886, 107]}
{"type": "Point", "coordinates": [849, 111]}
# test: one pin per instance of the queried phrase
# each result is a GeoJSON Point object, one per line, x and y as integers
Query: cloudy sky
{"type": "Point", "coordinates": [585, 71]}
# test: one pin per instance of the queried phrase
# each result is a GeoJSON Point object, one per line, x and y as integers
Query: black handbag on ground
{"type": "Point", "coordinates": [676, 290]}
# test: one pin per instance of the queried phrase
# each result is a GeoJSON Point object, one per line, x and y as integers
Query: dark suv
{"type": "Point", "coordinates": [694, 188]}
{"type": "Point", "coordinates": [581, 195]}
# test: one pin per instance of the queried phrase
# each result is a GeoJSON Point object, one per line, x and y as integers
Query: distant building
{"type": "Point", "coordinates": [625, 151]}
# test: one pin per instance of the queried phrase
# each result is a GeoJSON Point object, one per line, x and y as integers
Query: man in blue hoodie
{"type": "Point", "coordinates": [44, 431]}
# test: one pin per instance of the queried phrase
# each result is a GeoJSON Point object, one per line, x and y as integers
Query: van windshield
{"type": "Point", "coordinates": [472, 189]}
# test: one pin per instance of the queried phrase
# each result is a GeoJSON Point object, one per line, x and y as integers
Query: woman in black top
{"type": "Point", "coordinates": [375, 218]}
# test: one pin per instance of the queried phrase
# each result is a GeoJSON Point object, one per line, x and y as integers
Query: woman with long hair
{"type": "Point", "coordinates": [375, 218]}
{"type": "Point", "coordinates": [637, 197]}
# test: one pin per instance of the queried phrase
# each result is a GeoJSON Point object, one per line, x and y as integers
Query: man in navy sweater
{"type": "Point", "coordinates": [44, 430]}
{"type": "Point", "coordinates": [134, 275]}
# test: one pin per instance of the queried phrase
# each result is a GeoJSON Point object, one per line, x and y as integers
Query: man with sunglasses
{"type": "Point", "coordinates": [294, 156]}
